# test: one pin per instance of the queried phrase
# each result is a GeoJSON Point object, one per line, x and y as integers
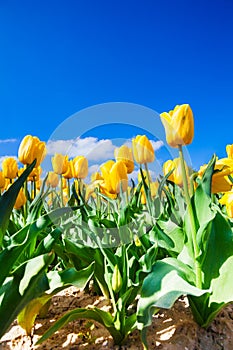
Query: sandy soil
{"type": "Point", "coordinates": [172, 329]}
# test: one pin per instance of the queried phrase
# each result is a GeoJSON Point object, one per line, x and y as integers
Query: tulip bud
{"type": "Point", "coordinates": [179, 125]}
{"type": "Point", "coordinates": [68, 174]}
{"type": "Point", "coordinates": [227, 199]}
{"type": "Point", "coordinates": [9, 168]}
{"type": "Point", "coordinates": [176, 175]}
{"type": "Point", "coordinates": [116, 279]}
{"type": "Point", "coordinates": [52, 179]}
{"type": "Point", "coordinates": [31, 148]}
{"type": "Point", "coordinates": [142, 150]}
{"type": "Point", "coordinates": [125, 155]}
{"type": "Point", "coordinates": [20, 200]}
{"type": "Point", "coordinates": [118, 177]}
{"type": "Point", "coordinates": [229, 150]}
{"type": "Point", "coordinates": [60, 163]}
{"type": "Point", "coordinates": [2, 180]}
{"type": "Point", "coordinates": [80, 167]}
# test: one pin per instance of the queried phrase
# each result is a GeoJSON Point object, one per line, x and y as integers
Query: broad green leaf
{"type": "Point", "coordinates": [28, 282]}
{"type": "Point", "coordinates": [103, 317]}
{"type": "Point", "coordinates": [7, 200]}
{"type": "Point", "coordinates": [21, 240]}
{"type": "Point", "coordinates": [162, 287]}
{"type": "Point", "coordinates": [57, 282]}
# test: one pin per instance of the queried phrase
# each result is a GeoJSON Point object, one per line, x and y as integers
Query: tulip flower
{"type": "Point", "coordinates": [80, 167]}
{"type": "Point", "coordinates": [52, 179]}
{"type": "Point", "coordinates": [142, 150]}
{"type": "Point", "coordinates": [227, 199]}
{"type": "Point", "coordinates": [31, 148]}
{"type": "Point", "coordinates": [153, 191]}
{"type": "Point", "coordinates": [176, 176]}
{"type": "Point", "coordinates": [68, 174]}
{"type": "Point", "coordinates": [118, 177]}
{"type": "Point", "coordinates": [179, 125]}
{"type": "Point", "coordinates": [220, 181]}
{"type": "Point", "coordinates": [125, 155]}
{"type": "Point", "coordinates": [2, 181]}
{"type": "Point", "coordinates": [20, 200]}
{"type": "Point", "coordinates": [229, 150]}
{"type": "Point", "coordinates": [9, 168]}
{"type": "Point", "coordinates": [96, 176]}
{"type": "Point", "coordinates": [59, 163]}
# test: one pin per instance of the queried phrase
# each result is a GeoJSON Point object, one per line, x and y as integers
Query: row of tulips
{"type": "Point", "coordinates": [150, 243]}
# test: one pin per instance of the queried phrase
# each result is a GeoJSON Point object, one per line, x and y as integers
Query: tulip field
{"type": "Point", "coordinates": [141, 245]}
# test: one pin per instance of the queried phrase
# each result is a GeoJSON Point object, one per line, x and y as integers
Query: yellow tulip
{"type": "Point", "coordinates": [118, 177]}
{"type": "Point", "coordinates": [80, 167]}
{"type": "Point", "coordinates": [125, 155]}
{"type": "Point", "coordinates": [176, 175]}
{"type": "Point", "coordinates": [9, 168]}
{"type": "Point", "coordinates": [52, 179]}
{"type": "Point", "coordinates": [179, 125]}
{"type": "Point", "coordinates": [227, 199]}
{"type": "Point", "coordinates": [60, 163]}
{"type": "Point", "coordinates": [142, 150]}
{"type": "Point", "coordinates": [96, 176]}
{"type": "Point", "coordinates": [2, 180]}
{"type": "Point", "coordinates": [35, 174]}
{"type": "Point", "coordinates": [220, 180]}
{"type": "Point", "coordinates": [153, 191]}
{"type": "Point", "coordinates": [116, 280]}
{"type": "Point", "coordinates": [20, 200]}
{"type": "Point", "coordinates": [31, 148]}
{"type": "Point", "coordinates": [229, 150]}
{"type": "Point", "coordinates": [105, 170]}
{"type": "Point", "coordinates": [68, 174]}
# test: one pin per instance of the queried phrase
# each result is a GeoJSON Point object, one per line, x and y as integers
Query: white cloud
{"type": "Point", "coordinates": [90, 147]}
{"type": "Point", "coordinates": [8, 140]}
{"type": "Point", "coordinates": [157, 144]}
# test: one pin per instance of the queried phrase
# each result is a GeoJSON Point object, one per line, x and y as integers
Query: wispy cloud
{"type": "Point", "coordinates": [8, 140]}
{"type": "Point", "coordinates": [90, 147]}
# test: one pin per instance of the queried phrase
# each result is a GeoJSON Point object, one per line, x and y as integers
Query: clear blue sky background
{"type": "Point", "coordinates": [58, 57]}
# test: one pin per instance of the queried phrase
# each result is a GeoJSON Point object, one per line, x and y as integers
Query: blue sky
{"type": "Point", "coordinates": [59, 57]}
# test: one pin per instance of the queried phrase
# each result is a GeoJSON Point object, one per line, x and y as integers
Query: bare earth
{"type": "Point", "coordinates": [171, 329]}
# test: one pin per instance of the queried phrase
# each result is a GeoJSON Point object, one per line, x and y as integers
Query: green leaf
{"type": "Point", "coordinates": [57, 282]}
{"type": "Point", "coordinates": [7, 200]}
{"type": "Point", "coordinates": [162, 287]}
{"type": "Point", "coordinates": [103, 317]}
{"type": "Point", "coordinates": [21, 240]}
{"type": "Point", "coordinates": [28, 282]}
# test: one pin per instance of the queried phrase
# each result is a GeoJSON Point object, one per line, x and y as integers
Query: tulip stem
{"type": "Point", "coordinates": [191, 219]}
{"type": "Point", "coordinates": [61, 189]}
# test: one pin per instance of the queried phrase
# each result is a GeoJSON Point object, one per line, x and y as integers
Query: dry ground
{"type": "Point", "coordinates": [171, 329]}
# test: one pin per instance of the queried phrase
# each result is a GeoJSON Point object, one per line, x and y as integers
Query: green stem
{"type": "Point", "coordinates": [191, 218]}
{"type": "Point", "coordinates": [61, 189]}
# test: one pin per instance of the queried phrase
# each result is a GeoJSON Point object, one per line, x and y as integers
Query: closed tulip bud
{"type": "Point", "coordinates": [60, 163]}
{"type": "Point", "coordinates": [105, 170]}
{"type": "Point", "coordinates": [142, 150]}
{"type": "Point", "coordinates": [125, 155]}
{"type": "Point", "coordinates": [179, 125]}
{"type": "Point", "coordinates": [227, 199]}
{"type": "Point", "coordinates": [116, 279]}
{"type": "Point", "coordinates": [118, 177]}
{"type": "Point", "coordinates": [80, 167]}
{"type": "Point", "coordinates": [31, 148]}
{"type": "Point", "coordinates": [68, 174]}
{"type": "Point", "coordinates": [176, 175]}
{"type": "Point", "coordinates": [229, 150]}
{"type": "Point", "coordinates": [9, 168]}
{"type": "Point", "coordinates": [20, 200]}
{"type": "Point", "coordinates": [52, 179]}
{"type": "Point", "coordinates": [2, 180]}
